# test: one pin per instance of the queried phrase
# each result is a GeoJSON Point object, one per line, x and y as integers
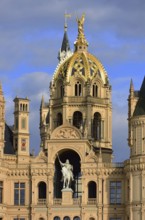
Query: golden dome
{"type": "Point", "coordinates": [81, 63]}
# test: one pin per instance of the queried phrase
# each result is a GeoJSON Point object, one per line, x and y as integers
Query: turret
{"type": "Point", "coordinates": [21, 126]}
{"type": "Point", "coordinates": [137, 121]}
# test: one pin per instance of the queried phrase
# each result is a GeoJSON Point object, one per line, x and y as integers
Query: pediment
{"type": "Point", "coordinates": [66, 131]}
{"type": "Point", "coordinates": [91, 157]}
{"type": "Point", "coordinates": [41, 157]}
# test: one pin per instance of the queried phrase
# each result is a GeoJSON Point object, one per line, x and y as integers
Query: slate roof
{"type": "Point", "coordinates": [65, 43]}
{"type": "Point", "coordinates": [8, 148]}
{"type": "Point", "coordinates": [140, 106]}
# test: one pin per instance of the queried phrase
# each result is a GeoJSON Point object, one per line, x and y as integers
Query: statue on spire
{"type": "Point", "coordinates": [81, 40]}
{"type": "Point", "coordinates": [81, 24]}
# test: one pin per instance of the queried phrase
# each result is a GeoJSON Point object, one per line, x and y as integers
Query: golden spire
{"type": "Point", "coordinates": [81, 40]}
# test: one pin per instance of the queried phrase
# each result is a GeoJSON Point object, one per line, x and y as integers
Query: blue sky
{"type": "Point", "coordinates": [31, 33]}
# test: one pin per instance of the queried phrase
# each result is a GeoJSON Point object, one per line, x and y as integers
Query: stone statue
{"type": "Point", "coordinates": [67, 173]}
{"type": "Point", "coordinates": [81, 25]}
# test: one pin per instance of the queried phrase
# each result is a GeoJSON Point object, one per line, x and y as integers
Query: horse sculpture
{"type": "Point", "coordinates": [67, 173]}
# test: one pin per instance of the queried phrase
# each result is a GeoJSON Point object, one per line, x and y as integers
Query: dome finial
{"type": "Point", "coordinates": [81, 40]}
{"type": "Point", "coordinates": [81, 25]}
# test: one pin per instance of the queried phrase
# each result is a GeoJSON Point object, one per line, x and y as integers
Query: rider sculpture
{"type": "Point", "coordinates": [67, 174]}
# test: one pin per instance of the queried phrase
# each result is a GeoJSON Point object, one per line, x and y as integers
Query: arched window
{"type": "Point", "coordinates": [96, 130]}
{"type": "Point", "coordinates": [76, 218]}
{"type": "Point", "coordinates": [42, 190]}
{"type": "Point", "coordinates": [92, 190]}
{"type": "Point", "coordinates": [76, 185]}
{"type": "Point", "coordinates": [95, 90]}
{"type": "Point", "coordinates": [26, 107]}
{"type": "Point", "coordinates": [66, 218]}
{"type": "Point", "coordinates": [61, 91]}
{"type": "Point", "coordinates": [78, 89]}
{"type": "Point", "coordinates": [77, 119]}
{"type": "Point", "coordinates": [21, 107]}
{"type": "Point", "coordinates": [56, 218]}
{"type": "Point", "coordinates": [59, 119]}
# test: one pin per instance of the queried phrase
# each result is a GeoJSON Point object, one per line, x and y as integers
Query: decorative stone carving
{"type": "Point", "coordinates": [66, 133]}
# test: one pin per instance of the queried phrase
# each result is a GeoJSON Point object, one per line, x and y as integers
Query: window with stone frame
{"type": "Point", "coordinates": [56, 218]}
{"type": "Point", "coordinates": [76, 218]}
{"type": "Point", "coordinates": [19, 218]}
{"type": "Point", "coordinates": [114, 218]}
{"type": "Point", "coordinates": [96, 126]}
{"type": "Point", "coordinates": [95, 90]}
{"type": "Point", "coordinates": [1, 192]}
{"type": "Point", "coordinates": [77, 119]}
{"type": "Point", "coordinates": [78, 89]}
{"type": "Point", "coordinates": [115, 192]}
{"type": "Point", "coordinates": [66, 218]}
{"type": "Point", "coordinates": [19, 193]}
{"type": "Point", "coordinates": [59, 119]}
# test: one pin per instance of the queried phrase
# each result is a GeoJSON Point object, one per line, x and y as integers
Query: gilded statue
{"type": "Point", "coordinates": [81, 24]}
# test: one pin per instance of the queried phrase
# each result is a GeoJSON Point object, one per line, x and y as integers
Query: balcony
{"type": "Point", "coordinates": [92, 201]}
{"type": "Point", "coordinates": [41, 202]}
{"type": "Point", "coordinates": [57, 201]}
{"type": "Point", "coordinates": [76, 201]}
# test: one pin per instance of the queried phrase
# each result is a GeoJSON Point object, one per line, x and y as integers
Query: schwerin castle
{"type": "Point", "coordinates": [75, 126]}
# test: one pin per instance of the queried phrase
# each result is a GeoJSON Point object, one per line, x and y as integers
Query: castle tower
{"type": "Point", "coordinates": [136, 138]}
{"type": "Point", "coordinates": [2, 120]}
{"type": "Point", "coordinates": [137, 120]}
{"type": "Point", "coordinates": [21, 126]}
{"type": "Point", "coordinates": [76, 124]}
{"type": "Point", "coordinates": [80, 94]}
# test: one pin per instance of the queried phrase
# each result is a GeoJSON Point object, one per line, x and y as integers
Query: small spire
{"type": "Point", "coordinates": [131, 85]}
{"type": "Point", "coordinates": [81, 42]}
{"type": "Point", "coordinates": [65, 47]}
{"type": "Point", "coordinates": [42, 102]}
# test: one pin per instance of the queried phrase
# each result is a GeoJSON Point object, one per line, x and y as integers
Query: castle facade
{"type": "Point", "coordinates": [76, 137]}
